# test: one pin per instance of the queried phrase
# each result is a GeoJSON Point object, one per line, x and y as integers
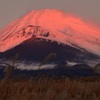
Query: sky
{"type": "Point", "coordinates": [13, 9]}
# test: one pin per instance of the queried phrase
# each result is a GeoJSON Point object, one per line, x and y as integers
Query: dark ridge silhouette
{"type": "Point", "coordinates": [35, 49]}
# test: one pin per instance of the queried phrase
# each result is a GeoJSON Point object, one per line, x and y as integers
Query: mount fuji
{"type": "Point", "coordinates": [41, 32]}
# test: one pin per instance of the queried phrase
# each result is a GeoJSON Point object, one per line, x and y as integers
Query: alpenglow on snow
{"type": "Point", "coordinates": [52, 25]}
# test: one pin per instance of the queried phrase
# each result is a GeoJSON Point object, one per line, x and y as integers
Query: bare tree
{"type": "Point", "coordinates": [9, 68]}
{"type": "Point", "coordinates": [47, 59]}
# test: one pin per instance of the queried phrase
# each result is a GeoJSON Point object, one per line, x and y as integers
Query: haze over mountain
{"type": "Point", "coordinates": [53, 25]}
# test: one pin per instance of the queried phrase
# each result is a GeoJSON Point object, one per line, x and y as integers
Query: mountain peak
{"type": "Point", "coordinates": [48, 11]}
{"type": "Point", "coordinates": [62, 27]}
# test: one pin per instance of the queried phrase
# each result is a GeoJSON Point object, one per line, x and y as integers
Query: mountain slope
{"type": "Point", "coordinates": [52, 25]}
{"type": "Point", "coordinates": [36, 49]}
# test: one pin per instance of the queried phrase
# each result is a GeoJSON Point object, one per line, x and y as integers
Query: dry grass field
{"type": "Point", "coordinates": [48, 88]}
{"type": "Point", "coordinates": [86, 88]}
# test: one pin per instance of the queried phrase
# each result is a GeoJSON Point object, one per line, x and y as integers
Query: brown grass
{"type": "Point", "coordinates": [50, 89]}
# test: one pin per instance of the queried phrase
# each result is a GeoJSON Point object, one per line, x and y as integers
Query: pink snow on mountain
{"type": "Point", "coordinates": [62, 27]}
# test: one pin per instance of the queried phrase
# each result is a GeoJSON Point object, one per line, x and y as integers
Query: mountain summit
{"type": "Point", "coordinates": [53, 25]}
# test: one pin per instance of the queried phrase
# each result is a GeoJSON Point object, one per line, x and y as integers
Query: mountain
{"type": "Point", "coordinates": [97, 68]}
{"type": "Point", "coordinates": [40, 32]}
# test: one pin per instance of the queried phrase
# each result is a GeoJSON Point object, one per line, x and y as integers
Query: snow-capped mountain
{"type": "Point", "coordinates": [54, 26]}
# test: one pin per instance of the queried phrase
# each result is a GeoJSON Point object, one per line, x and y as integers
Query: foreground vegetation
{"type": "Point", "coordinates": [86, 88]}
{"type": "Point", "coordinates": [17, 87]}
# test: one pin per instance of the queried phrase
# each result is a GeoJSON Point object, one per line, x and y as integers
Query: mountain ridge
{"type": "Point", "coordinates": [62, 27]}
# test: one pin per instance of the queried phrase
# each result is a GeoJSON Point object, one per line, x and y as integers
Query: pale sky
{"type": "Point", "coordinates": [13, 9]}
